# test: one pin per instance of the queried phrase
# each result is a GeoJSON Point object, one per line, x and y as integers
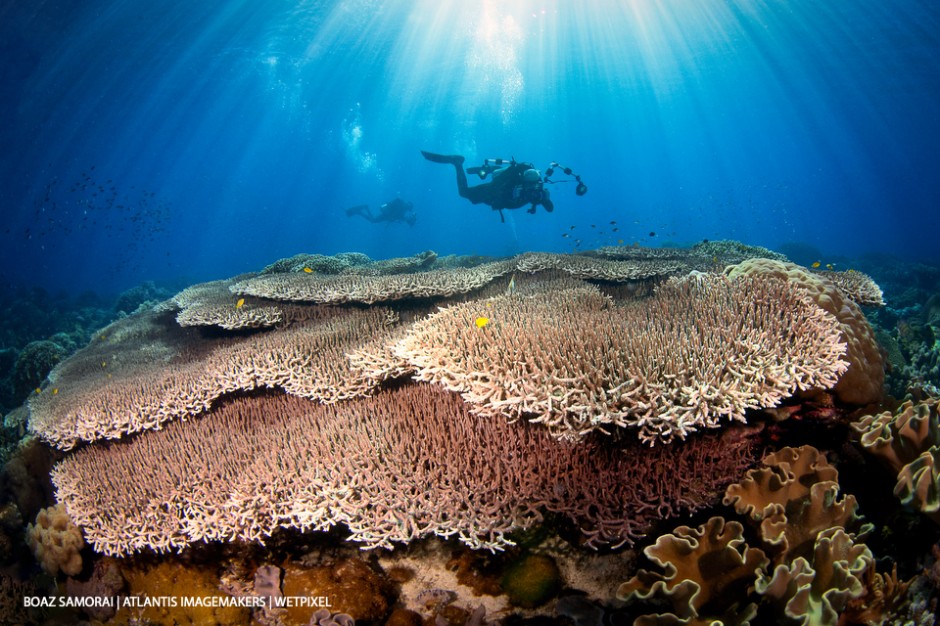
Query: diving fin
{"type": "Point", "coordinates": [453, 159]}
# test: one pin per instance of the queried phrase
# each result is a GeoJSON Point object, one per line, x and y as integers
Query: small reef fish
{"type": "Point", "coordinates": [830, 266]}
{"type": "Point", "coordinates": [307, 270]}
{"type": "Point", "coordinates": [240, 303]}
{"type": "Point", "coordinates": [652, 233]}
{"type": "Point", "coordinates": [481, 322]}
{"type": "Point", "coordinates": [816, 265]}
{"type": "Point", "coordinates": [511, 289]}
{"type": "Point", "coordinates": [55, 391]}
{"type": "Point", "coordinates": [38, 390]}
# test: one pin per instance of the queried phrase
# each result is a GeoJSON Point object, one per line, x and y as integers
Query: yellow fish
{"type": "Point", "coordinates": [830, 266]}
{"type": "Point", "coordinates": [481, 322]}
{"type": "Point", "coordinates": [240, 303]}
{"type": "Point", "coordinates": [816, 265]}
{"type": "Point", "coordinates": [55, 391]}
{"type": "Point", "coordinates": [308, 270]}
{"type": "Point", "coordinates": [38, 390]}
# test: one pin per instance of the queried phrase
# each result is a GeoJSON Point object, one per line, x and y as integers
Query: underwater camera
{"type": "Point", "coordinates": [581, 188]}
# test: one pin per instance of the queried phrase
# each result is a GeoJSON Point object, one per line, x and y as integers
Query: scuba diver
{"type": "Point", "coordinates": [396, 210]}
{"type": "Point", "coordinates": [514, 184]}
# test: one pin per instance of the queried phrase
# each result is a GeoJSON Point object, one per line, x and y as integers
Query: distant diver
{"type": "Point", "coordinates": [514, 184]}
{"type": "Point", "coordinates": [396, 210]}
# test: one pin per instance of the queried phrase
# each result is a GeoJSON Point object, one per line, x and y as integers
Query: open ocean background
{"type": "Point", "coordinates": [187, 141]}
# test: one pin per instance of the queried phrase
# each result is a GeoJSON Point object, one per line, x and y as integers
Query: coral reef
{"type": "Point", "coordinates": [271, 405]}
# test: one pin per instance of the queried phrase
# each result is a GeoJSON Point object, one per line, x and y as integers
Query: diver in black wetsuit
{"type": "Point", "coordinates": [396, 210]}
{"type": "Point", "coordinates": [514, 185]}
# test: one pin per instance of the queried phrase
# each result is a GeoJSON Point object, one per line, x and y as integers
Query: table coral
{"type": "Point", "coordinates": [404, 464]}
{"type": "Point", "coordinates": [863, 382]}
{"type": "Point", "coordinates": [698, 354]}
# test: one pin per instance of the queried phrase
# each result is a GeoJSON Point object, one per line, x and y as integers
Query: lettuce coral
{"type": "Point", "coordinates": [809, 568]}
{"type": "Point", "coordinates": [908, 442]}
{"type": "Point", "coordinates": [705, 571]}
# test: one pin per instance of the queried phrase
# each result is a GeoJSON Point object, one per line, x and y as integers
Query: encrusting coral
{"type": "Point", "coordinates": [404, 464]}
{"type": "Point", "coordinates": [700, 352]}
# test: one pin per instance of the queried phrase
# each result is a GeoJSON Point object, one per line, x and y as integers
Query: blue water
{"type": "Point", "coordinates": [197, 140]}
